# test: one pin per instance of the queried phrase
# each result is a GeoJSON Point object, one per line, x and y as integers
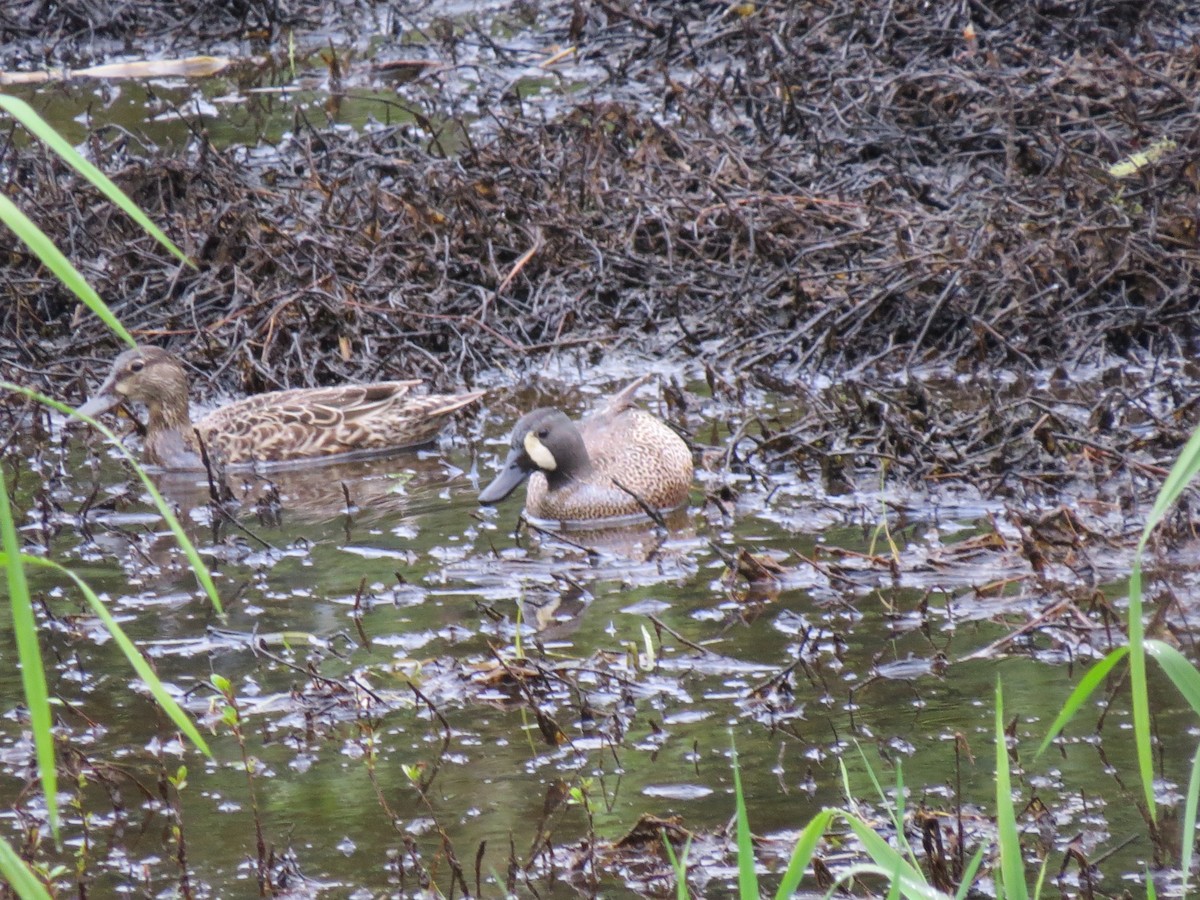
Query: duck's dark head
{"type": "Point", "coordinates": [545, 441]}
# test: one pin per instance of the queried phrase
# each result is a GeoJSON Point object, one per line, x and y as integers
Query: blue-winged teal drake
{"type": "Point", "coordinates": [277, 427]}
{"type": "Point", "coordinates": [604, 468]}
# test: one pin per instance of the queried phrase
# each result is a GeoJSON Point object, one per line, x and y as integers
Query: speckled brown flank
{"type": "Point", "coordinates": [281, 426]}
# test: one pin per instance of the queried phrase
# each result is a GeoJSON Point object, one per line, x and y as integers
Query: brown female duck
{"type": "Point", "coordinates": [277, 427]}
{"type": "Point", "coordinates": [607, 467]}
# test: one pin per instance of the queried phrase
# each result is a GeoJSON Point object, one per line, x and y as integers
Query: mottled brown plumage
{"type": "Point", "coordinates": [278, 427]}
{"type": "Point", "coordinates": [607, 467]}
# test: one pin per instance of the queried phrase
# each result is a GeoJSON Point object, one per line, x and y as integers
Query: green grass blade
{"type": "Point", "coordinates": [968, 878]}
{"type": "Point", "coordinates": [181, 719]}
{"type": "Point", "coordinates": [891, 862]}
{"type": "Point", "coordinates": [914, 891]}
{"type": "Point", "coordinates": [884, 854]}
{"type": "Point", "coordinates": [33, 673]}
{"type": "Point", "coordinates": [1041, 879]}
{"type": "Point", "coordinates": [53, 259]}
{"type": "Point", "coordinates": [845, 774]}
{"type": "Point", "coordinates": [19, 876]}
{"type": "Point", "coordinates": [1138, 691]}
{"type": "Point", "coordinates": [1189, 821]}
{"type": "Point", "coordinates": [1083, 690]}
{"type": "Point", "coordinates": [37, 126]}
{"type": "Point", "coordinates": [1012, 863]}
{"type": "Point", "coordinates": [1177, 480]}
{"type": "Point", "coordinates": [802, 853]}
{"type": "Point", "coordinates": [1179, 669]}
{"type": "Point", "coordinates": [678, 864]}
{"type": "Point", "coordinates": [895, 813]}
{"type": "Point", "coordinates": [875, 783]}
{"type": "Point", "coordinates": [747, 876]}
{"type": "Point", "coordinates": [199, 569]}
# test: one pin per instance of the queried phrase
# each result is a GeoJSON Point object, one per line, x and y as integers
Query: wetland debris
{"type": "Point", "coordinates": [770, 193]}
{"type": "Point", "coordinates": [191, 67]}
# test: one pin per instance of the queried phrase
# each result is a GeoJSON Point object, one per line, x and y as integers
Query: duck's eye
{"type": "Point", "coordinates": [137, 365]}
{"type": "Point", "coordinates": [543, 432]}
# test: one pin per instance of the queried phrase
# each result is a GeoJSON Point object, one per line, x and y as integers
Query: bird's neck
{"type": "Point", "coordinates": [168, 432]}
{"type": "Point", "coordinates": [169, 415]}
{"type": "Point", "coordinates": [576, 467]}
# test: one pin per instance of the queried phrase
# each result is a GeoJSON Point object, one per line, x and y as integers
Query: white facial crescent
{"type": "Point", "coordinates": [540, 453]}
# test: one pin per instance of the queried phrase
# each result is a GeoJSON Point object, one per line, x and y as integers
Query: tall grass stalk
{"type": "Point", "coordinates": [1189, 820]}
{"type": "Point", "coordinates": [136, 661]}
{"type": "Point", "coordinates": [15, 872]}
{"type": "Point", "coordinates": [41, 245]}
{"type": "Point", "coordinates": [54, 260]}
{"type": "Point", "coordinates": [199, 569]}
{"type": "Point", "coordinates": [747, 877]}
{"type": "Point", "coordinates": [1012, 863]}
{"type": "Point", "coordinates": [18, 876]}
{"type": "Point", "coordinates": [1181, 672]}
{"type": "Point", "coordinates": [33, 675]}
{"type": "Point", "coordinates": [29, 655]}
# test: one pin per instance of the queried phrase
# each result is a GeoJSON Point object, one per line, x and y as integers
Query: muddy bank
{"type": "Point", "coordinates": [846, 188]}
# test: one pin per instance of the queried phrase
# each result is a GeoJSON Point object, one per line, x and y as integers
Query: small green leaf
{"type": "Point", "coordinates": [651, 656]}
{"type": "Point", "coordinates": [678, 864]}
{"type": "Point", "coordinates": [802, 853]}
{"type": "Point", "coordinates": [19, 876]}
{"type": "Point", "coordinates": [1083, 690]}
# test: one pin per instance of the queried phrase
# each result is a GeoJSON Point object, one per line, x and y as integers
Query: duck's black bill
{"type": "Point", "coordinates": [101, 403]}
{"type": "Point", "coordinates": [507, 481]}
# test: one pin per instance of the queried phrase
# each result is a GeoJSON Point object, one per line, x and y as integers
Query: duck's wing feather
{"type": "Point", "coordinates": [602, 421]}
{"type": "Point", "coordinates": [623, 399]}
{"type": "Point", "coordinates": [297, 424]}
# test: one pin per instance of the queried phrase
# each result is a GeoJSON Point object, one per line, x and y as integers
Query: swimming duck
{"type": "Point", "coordinates": [607, 467]}
{"type": "Point", "coordinates": [277, 427]}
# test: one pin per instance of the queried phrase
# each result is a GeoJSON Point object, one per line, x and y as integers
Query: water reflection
{"type": "Point", "coordinates": [365, 490]}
